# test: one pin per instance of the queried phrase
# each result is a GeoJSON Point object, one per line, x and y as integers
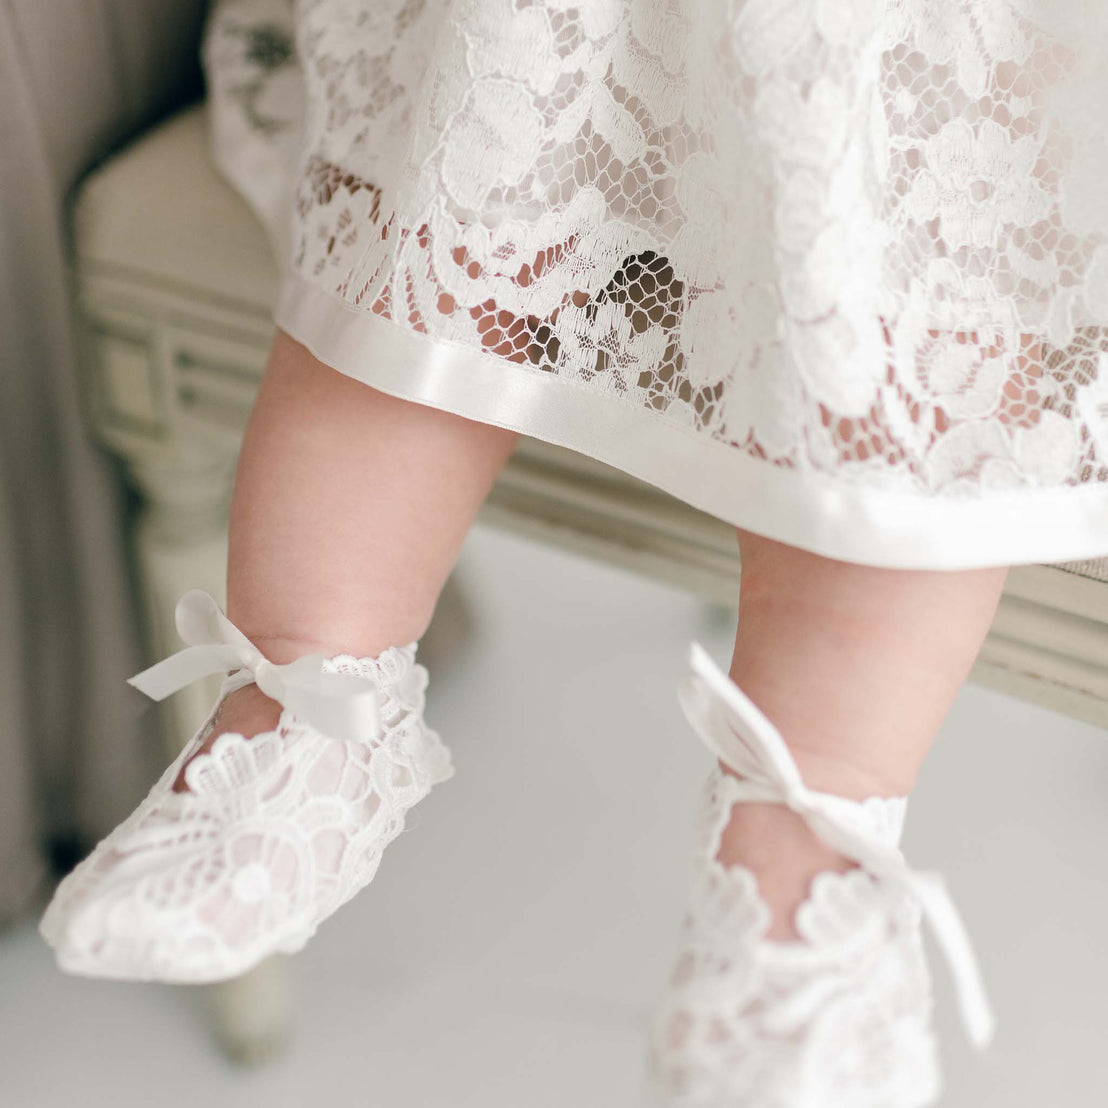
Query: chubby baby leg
{"type": "Point", "coordinates": [349, 509]}
{"type": "Point", "coordinates": [856, 667]}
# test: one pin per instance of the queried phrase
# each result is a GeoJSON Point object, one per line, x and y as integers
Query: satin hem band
{"type": "Point", "coordinates": [840, 520]}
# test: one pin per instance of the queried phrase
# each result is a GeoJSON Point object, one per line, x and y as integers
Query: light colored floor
{"type": "Point", "coordinates": [509, 953]}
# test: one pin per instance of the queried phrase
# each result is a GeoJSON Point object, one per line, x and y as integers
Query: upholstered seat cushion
{"type": "Point", "coordinates": [161, 210]}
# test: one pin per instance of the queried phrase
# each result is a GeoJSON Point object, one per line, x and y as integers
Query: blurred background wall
{"type": "Point", "coordinates": [77, 79]}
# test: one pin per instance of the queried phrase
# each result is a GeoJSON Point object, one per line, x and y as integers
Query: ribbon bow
{"type": "Point", "coordinates": [340, 705]}
{"type": "Point", "coordinates": [758, 753]}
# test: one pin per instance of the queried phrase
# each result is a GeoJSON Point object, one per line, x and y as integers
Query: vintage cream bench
{"type": "Point", "coordinates": [173, 280]}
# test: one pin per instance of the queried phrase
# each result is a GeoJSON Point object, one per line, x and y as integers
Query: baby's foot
{"type": "Point", "coordinates": [802, 977]}
{"type": "Point", "coordinates": [271, 833]}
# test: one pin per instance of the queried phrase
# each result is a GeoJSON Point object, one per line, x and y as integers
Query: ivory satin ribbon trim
{"type": "Point", "coordinates": [825, 513]}
{"type": "Point", "coordinates": [758, 753]}
{"type": "Point", "coordinates": [340, 705]}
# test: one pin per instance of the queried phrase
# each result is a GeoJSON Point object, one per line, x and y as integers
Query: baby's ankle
{"type": "Point", "coordinates": [783, 854]}
{"type": "Point", "coordinates": [246, 711]}
{"type": "Point", "coordinates": [357, 637]}
{"type": "Point", "coordinates": [850, 778]}
{"type": "Point", "coordinates": [779, 847]}
{"type": "Point", "coordinates": [283, 649]}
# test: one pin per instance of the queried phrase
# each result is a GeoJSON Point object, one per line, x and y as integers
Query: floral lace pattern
{"type": "Point", "coordinates": [865, 239]}
{"type": "Point", "coordinates": [840, 1017]}
{"type": "Point", "coordinates": [276, 832]}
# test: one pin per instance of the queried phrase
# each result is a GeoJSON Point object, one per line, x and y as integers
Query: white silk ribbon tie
{"type": "Point", "coordinates": [340, 705]}
{"type": "Point", "coordinates": [768, 772]}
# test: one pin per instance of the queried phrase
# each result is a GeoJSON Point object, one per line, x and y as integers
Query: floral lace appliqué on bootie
{"type": "Point", "coordinates": [842, 1016]}
{"type": "Point", "coordinates": [276, 832]}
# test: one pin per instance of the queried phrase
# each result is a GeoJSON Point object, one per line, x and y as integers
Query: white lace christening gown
{"type": "Point", "coordinates": [835, 271]}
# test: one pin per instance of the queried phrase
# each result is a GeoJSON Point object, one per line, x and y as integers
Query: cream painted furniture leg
{"type": "Point", "coordinates": [181, 543]}
{"type": "Point", "coordinates": [141, 396]}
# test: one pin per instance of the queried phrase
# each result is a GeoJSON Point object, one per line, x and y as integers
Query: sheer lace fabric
{"type": "Point", "coordinates": [847, 249]}
{"type": "Point", "coordinates": [839, 1017]}
{"type": "Point", "coordinates": [275, 833]}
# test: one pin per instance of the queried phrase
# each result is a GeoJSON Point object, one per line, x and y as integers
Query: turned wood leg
{"type": "Point", "coordinates": [181, 544]}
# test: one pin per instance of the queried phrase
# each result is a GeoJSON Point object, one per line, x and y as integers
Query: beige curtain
{"type": "Point", "coordinates": [77, 78]}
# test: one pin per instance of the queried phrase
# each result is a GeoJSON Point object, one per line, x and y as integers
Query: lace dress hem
{"type": "Point", "coordinates": [805, 508]}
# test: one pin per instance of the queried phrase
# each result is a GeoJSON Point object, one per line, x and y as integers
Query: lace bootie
{"type": "Point", "coordinates": [839, 1018]}
{"type": "Point", "coordinates": [276, 832]}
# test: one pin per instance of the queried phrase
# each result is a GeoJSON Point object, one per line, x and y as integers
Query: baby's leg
{"type": "Point", "coordinates": [857, 668]}
{"type": "Point", "coordinates": [349, 510]}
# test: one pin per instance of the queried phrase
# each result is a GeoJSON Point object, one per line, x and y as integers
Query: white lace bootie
{"type": "Point", "coordinates": [276, 831]}
{"type": "Point", "coordinates": [841, 1017]}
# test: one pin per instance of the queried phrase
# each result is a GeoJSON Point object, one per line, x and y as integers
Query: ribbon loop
{"type": "Point", "coordinates": [340, 705]}
{"type": "Point", "coordinates": [745, 741]}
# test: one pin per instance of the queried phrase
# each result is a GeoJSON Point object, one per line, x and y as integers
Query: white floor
{"type": "Point", "coordinates": [509, 953]}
